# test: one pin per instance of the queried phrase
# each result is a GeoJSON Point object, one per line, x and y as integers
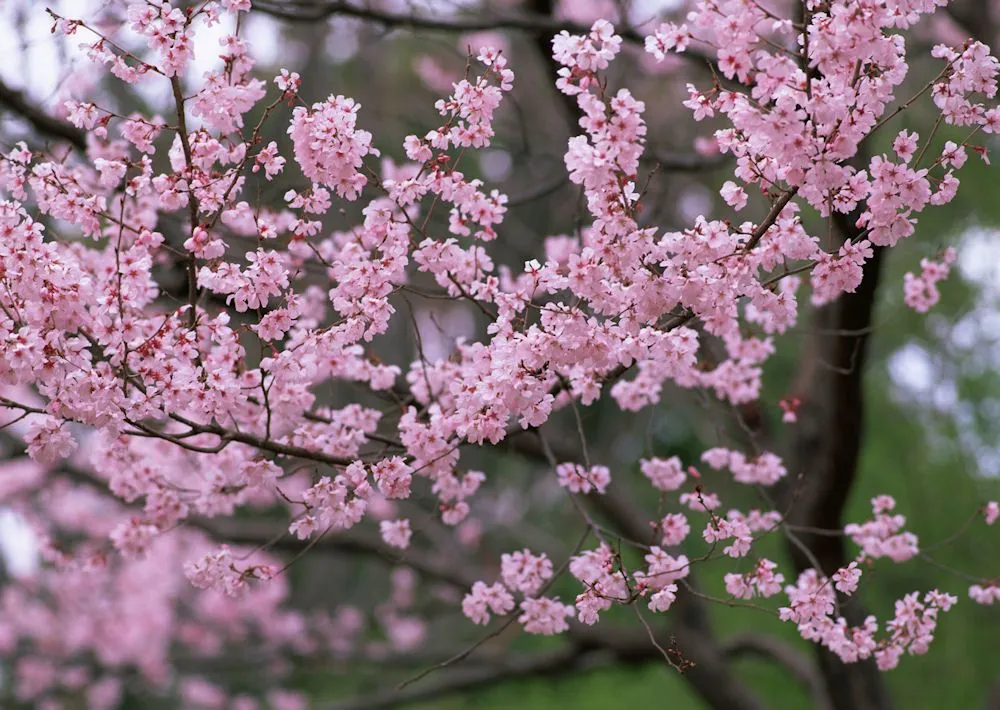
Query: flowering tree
{"type": "Point", "coordinates": [189, 357]}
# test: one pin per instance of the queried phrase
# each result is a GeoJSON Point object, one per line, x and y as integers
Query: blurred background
{"type": "Point", "coordinates": [931, 430]}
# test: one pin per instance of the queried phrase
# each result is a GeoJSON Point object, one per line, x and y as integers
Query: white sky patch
{"type": "Point", "coordinates": [41, 63]}
{"type": "Point", "coordinates": [911, 368]}
{"type": "Point", "coordinates": [342, 40]}
{"type": "Point", "coordinates": [970, 345]}
{"type": "Point", "coordinates": [439, 327]}
{"type": "Point", "coordinates": [645, 10]}
{"type": "Point", "coordinates": [33, 57]}
{"type": "Point", "coordinates": [979, 259]}
{"type": "Point", "coordinates": [262, 34]}
{"type": "Point", "coordinates": [18, 545]}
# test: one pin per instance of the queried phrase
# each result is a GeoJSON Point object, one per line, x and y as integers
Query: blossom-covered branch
{"type": "Point", "coordinates": [187, 446]}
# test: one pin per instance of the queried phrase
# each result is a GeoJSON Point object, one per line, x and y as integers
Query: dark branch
{"type": "Point", "coordinates": [534, 22]}
{"type": "Point", "coordinates": [14, 102]}
{"type": "Point", "coordinates": [468, 679]}
{"type": "Point", "coordinates": [593, 651]}
{"type": "Point", "coordinates": [686, 162]}
{"type": "Point", "coordinates": [974, 17]}
{"type": "Point", "coordinates": [526, 22]}
{"type": "Point", "coordinates": [993, 699]}
{"type": "Point", "coordinates": [823, 458]}
{"type": "Point", "coordinates": [786, 656]}
{"type": "Point", "coordinates": [263, 533]}
{"type": "Point", "coordinates": [276, 537]}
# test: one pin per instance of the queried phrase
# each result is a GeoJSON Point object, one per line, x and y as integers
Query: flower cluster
{"type": "Point", "coordinates": [577, 479]}
{"type": "Point", "coordinates": [883, 536]}
{"type": "Point", "coordinates": [185, 334]}
{"type": "Point", "coordinates": [329, 147]}
{"type": "Point", "coordinates": [525, 573]}
{"type": "Point", "coordinates": [921, 292]}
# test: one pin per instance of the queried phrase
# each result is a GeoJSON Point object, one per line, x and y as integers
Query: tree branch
{"type": "Point", "coordinates": [592, 650]}
{"type": "Point", "coordinates": [263, 533]}
{"type": "Point", "coordinates": [974, 17]}
{"type": "Point", "coordinates": [993, 698]}
{"type": "Point", "coordinates": [15, 102]}
{"type": "Point", "coordinates": [783, 654]}
{"type": "Point", "coordinates": [686, 162]}
{"type": "Point", "coordinates": [275, 537]}
{"type": "Point", "coordinates": [534, 22]}
{"type": "Point", "coordinates": [468, 679]}
{"type": "Point", "coordinates": [823, 458]}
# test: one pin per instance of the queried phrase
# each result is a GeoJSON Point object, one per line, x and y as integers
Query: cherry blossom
{"type": "Point", "coordinates": [156, 425]}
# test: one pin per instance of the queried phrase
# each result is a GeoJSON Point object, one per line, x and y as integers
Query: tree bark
{"type": "Point", "coordinates": [823, 460]}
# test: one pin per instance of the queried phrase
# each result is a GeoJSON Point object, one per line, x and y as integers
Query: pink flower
{"type": "Point", "coordinates": [991, 512]}
{"type": "Point", "coordinates": [48, 440]}
{"type": "Point", "coordinates": [985, 594]}
{"type": "Point", "coordinates": [668, 37]}
{"type": "Point", "coordinates": [261, 473]}
{"type": "Point", "coordinates": [674, 529]}
{"type": "Point", "coordinates": [664, 598]}
{"type": "Point", "coordinates": [662, 570]}
{"type": "Point", "coordinates": [217, 343]}
{"type": "Point", "coordinates": [953, 155]}
{"type": "Point", "coordinates": [525, 572]}
{"type": "Point", "coordinates": [280, 699]}
{"type": "Point", "coordinates": [203, 245]}
{"type": "Point", "coordinates": [734, 195]}
{"type": "Point", "coordinates": [699, 104]}
{"type": "Point", "coordinates": [664, 474]}
{"type": "Point", "coordinates": [132, 537]}
{"type": "Point", "coordinates": [905, 145]}
{"type": "Point", "coordinates": [847, 578]}
{"type": "Point", "coordinates": [328, 146]}
{"type": "Point", "coordinates": [545, 616]}
{"type": "Point", "coordinates": [921, 292]}
{"type": "Point", "coordinates": [269, 159]}
{"type": "Point", "coordinates": [578, 479]}
{"type": "Point", "coordinates": [216, 571]}
{"type": "Point", "coordinates": [484, 599]}
{"type": "Point", "coordinates": [883, 536]}
{"type": "Point", "coordinates": [112, 172]}
{"type": "Point", "coordinates": [236, 5]}
{"type": "Point", "coordinates": [396, 533]}
{"type": "Point", "coordinates": [288, 81]}
{"type": "Point", "coordinates": [82, 115]}
{"type": "Point", "coordinates": [393, 477]}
